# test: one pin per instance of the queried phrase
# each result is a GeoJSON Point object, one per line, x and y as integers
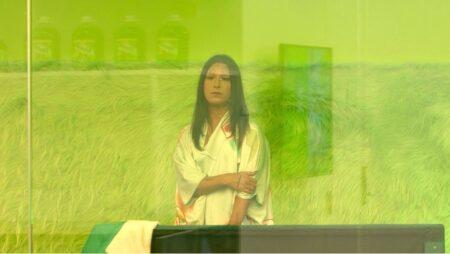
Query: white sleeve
{"type": "Point", "coordinates": [255, 157]}
{"type": "Point", "coordinates": [188, 175]}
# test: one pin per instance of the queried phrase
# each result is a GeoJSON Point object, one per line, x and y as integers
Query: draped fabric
{"type": "Point", "coordinates": [219, 156]}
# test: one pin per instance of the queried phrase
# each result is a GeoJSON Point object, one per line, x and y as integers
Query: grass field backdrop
{"type": "Point", "coordinates": [103, 141]}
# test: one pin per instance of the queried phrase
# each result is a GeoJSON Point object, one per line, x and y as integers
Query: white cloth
{"type": "Point", "coordinates": [220, 156]}
{"type": "Point", "coordinates": [134, 237]}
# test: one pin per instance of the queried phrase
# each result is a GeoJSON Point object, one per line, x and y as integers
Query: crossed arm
{"type": "Point", "coordinates": [239, 211]}
{"type": "Point", "coordinates": [242, 181]}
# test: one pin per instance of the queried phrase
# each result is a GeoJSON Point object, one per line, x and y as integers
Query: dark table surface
{"type": "Point", "coordinates": [300, 238]}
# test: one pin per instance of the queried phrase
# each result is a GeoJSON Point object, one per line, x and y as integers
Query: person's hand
{"type": "Point", "coordinates": [243, 182]}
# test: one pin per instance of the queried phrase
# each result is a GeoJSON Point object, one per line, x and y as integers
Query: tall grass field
{"type": "Point", "coordinates": [102, 144]}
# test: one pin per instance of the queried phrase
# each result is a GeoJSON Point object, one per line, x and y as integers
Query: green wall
{"type": "Point", "coordinates": [382, 32]}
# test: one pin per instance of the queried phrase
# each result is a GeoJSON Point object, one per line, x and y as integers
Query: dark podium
{"type": "Point", "coordinates": [289, 239]}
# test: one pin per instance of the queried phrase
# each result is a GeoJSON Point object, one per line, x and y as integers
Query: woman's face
{"type": "Point", "coordinates": [217, 86]}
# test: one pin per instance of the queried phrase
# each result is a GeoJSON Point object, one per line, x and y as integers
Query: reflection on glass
{"type": "Point", "coordinates": [87, 45]}
{"type": "Point", "coordinates": [172, 42]}
{"type": "Point", "coordinates": [3, 57]}
{"type": "Point", "coordinates": [103, 140]}
{"type": "Point", "coordinates": [14, 192]}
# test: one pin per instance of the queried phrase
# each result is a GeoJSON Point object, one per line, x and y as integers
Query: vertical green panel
{"type": "Point", "coordinates": [306, 81]}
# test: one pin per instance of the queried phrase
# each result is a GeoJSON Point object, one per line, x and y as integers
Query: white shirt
{"type": "Point", "coordinates": [220, 156]}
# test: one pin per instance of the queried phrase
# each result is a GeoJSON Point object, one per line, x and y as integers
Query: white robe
{"type": "Point", "coordinates": [220, 156]}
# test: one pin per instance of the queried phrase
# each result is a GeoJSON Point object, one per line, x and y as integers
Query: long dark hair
{"type": "Point", "coordinates": [237, 106]}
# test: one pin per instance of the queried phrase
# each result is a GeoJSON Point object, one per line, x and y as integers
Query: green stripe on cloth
{"type": "Point", "coordinates": [100, 237]}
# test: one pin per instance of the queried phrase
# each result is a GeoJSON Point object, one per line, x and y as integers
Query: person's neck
{"type": "Point", "coordinates": [215, 114]}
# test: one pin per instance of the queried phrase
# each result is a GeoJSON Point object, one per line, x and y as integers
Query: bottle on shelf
{"type": "Point", "coordinates": [45, 41]}
{"type": "Point", "coordinates": [129, 44]}
{"type": "Point", "coordinates": [172, 43]}
{"type": "Point", "coordinates": [87, 45]}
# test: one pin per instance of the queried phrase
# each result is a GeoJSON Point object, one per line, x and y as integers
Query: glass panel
{"type": "Point", "coordinates": [351, 96]}
{"type": "Point", "coordinates": [406, 100]}
{"type": "Point", "coordinates": [111, 92]}
{"type": "Point", "coordinates": [14, 209]}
